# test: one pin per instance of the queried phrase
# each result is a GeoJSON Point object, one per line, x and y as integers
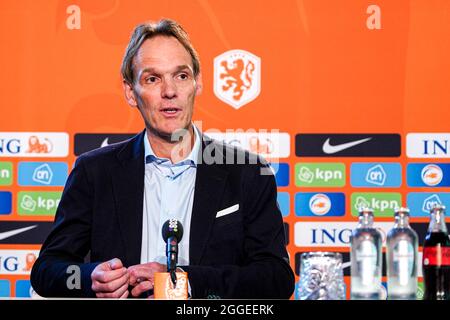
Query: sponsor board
{"type": "Point", "coordinates": [428, 145]}
{"type": "Point", "coordinates": [428, 175]}
{"type": "Point", "coordinates": [281, 173]}
{"type": "Point", "coordinates": [382, 203]}
{"type": "Point", "coordinates": [347, 145]}
{"type": "Point", "coordinates": [36, 203]}
{"type": "Point", "coordinates": [320, 174]}
{"type": "Point", "coordinates": [84, 142]}
{"type": "Point", "coordinates": [330, 234]}
{"type": "Point", "coordinates": [5, 288]}
{"type": "Point", "coordinates": [284, 203]}
{"type": "Point", "coordinates": [6, 173]}
{"type": "Point", "coordinates": [24, 232]}
{"type": "Point", "coordinates": [5, 202]}
{"type": "Point", "coordinates": [17, 262]}
{"type": "Point", "coordinates": [24, 289]}
{"type": "Point", "coordinates": [34, 144]}
{"type": "Point", "coordinates": [42, 173]}
{"type": "Point", "coordinates": [268, 144]}
{"type": "Point", "coordinates": [376, 175]}
{"type": "Point", "coordinates": [421, 203]}
{"type": "Point", "coordinates": [311, 204]}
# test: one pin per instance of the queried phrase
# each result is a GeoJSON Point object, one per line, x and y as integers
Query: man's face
{"type": "Point", "coordinates": [165, 87]}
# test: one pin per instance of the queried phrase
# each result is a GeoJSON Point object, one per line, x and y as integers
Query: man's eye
{"type": "Point", "coordinates": [151, 79]}
{"type": "Point", "coordinates": [183, 76]}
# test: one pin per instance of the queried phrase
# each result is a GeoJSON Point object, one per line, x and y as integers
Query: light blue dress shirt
{"type": "Point", "coordinates": [168, 194]}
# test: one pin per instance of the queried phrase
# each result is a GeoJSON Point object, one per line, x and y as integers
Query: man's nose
{"type": "Point", "coordinates": [169, 89]}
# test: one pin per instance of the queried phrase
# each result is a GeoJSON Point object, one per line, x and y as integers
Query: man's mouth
{"type": "Point", "coordinates": [170, 110]}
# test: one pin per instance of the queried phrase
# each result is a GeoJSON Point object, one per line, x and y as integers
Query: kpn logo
{"type": "Point", "coordinates": [320, 175]}
{"type": "Point", "coordinates": [34, 203]}
{"type": "Point", "coordinates": [382, 203]}
{"type": "Point", "coordinates": [6, 173]}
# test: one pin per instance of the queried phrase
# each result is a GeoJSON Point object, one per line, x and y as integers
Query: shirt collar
{"type": "Point", "coordinates": [191, 159]}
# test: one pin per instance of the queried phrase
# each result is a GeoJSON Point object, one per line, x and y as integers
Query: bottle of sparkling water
{"type": "Point", "coordinates": [366, 258]}
{"type": "Point", "coordinates": [401, 256]}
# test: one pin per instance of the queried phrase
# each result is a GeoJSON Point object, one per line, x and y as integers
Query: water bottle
{"type": "Point", "coordinates": [366, 258]}
{"type": "Point", "coordinates": [401, 257]}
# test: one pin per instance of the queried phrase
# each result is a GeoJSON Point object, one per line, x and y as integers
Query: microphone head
{"type": "Point", "coordinates": [172, 228]}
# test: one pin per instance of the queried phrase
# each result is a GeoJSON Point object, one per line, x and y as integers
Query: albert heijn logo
{"type": "Point", "coordinates": [428, 175]}
{"type": "Point", "coordinates": [34, 144]}
{"type": "Point", "coordinates": [368, 174]}
{"type": "Point", "coordinates": [319, 204]}
{"type": "Point", "coordinates": [24, 289]}
{"type": "Point", "coordinates": [421, 203]}
{"type": "Point", "coordinates": [237, 77]}
{"type": "Point", "coordinates": [42, 173]}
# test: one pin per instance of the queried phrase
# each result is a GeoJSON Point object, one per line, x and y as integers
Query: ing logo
{"type": "Point", "coordinates": [237, 77]}
{"type": "Point", "coordinates": [36, 146]}
{"type": "Point", "coordinates": [30, 259]}
{"type": "Point", "coordinates": [260, 146]}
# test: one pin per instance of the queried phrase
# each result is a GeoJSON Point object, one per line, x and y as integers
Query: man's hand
{"type": "Point", "coordinates": [110, 280]}
{"type": "Point", "coordinates": [142, 276]}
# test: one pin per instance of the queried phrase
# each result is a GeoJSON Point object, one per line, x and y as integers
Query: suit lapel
{"type": "Point", "coordinates": [128, 186]}
{"type": "Point", "coordinates": [209, 184]}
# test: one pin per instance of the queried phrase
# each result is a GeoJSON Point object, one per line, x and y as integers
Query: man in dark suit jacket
{"type": "Point", "coordinates": [238, 255]}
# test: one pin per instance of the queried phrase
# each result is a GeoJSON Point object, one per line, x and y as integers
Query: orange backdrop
{"type": "Point", "coordinates": [323, 70]}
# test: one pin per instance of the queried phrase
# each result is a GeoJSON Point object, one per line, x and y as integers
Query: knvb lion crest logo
{"type": "Point", "coordinates": [237, 77]}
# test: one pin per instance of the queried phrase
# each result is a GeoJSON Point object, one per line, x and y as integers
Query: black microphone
{"type": "Point", "coordinates": [172, 232]}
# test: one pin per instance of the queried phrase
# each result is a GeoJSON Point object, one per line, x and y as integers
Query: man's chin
{"type": "Point", "coordinates": [172, 135]}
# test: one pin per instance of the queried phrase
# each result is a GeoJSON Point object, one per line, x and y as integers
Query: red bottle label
{"type": "Point", "coordinates": [436, 256]}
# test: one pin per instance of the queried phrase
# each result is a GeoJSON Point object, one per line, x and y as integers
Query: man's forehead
{"type": "Point", "coordinates": [162, 52]}
{"type": "Point", "coordinates": [170, 69]}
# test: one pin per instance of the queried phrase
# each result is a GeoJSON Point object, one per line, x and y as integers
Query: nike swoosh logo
{"type": "Point", "coordinates": [105, 143]}
{"type": "Point", "coordinates": [329, 149]}
{"type": "Point", "coordinates": [8, 234]}
{"type": "Point", "coordinates": [346, 265]}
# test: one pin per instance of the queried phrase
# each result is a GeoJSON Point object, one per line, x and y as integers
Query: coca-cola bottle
{"type": "Point", "coordinates": [436, 257]}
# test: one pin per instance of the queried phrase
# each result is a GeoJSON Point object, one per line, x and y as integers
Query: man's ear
{"type": "Point", "coordinates": [129, 93]}
{"type": "Point", "coordinates": [198, 84]}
